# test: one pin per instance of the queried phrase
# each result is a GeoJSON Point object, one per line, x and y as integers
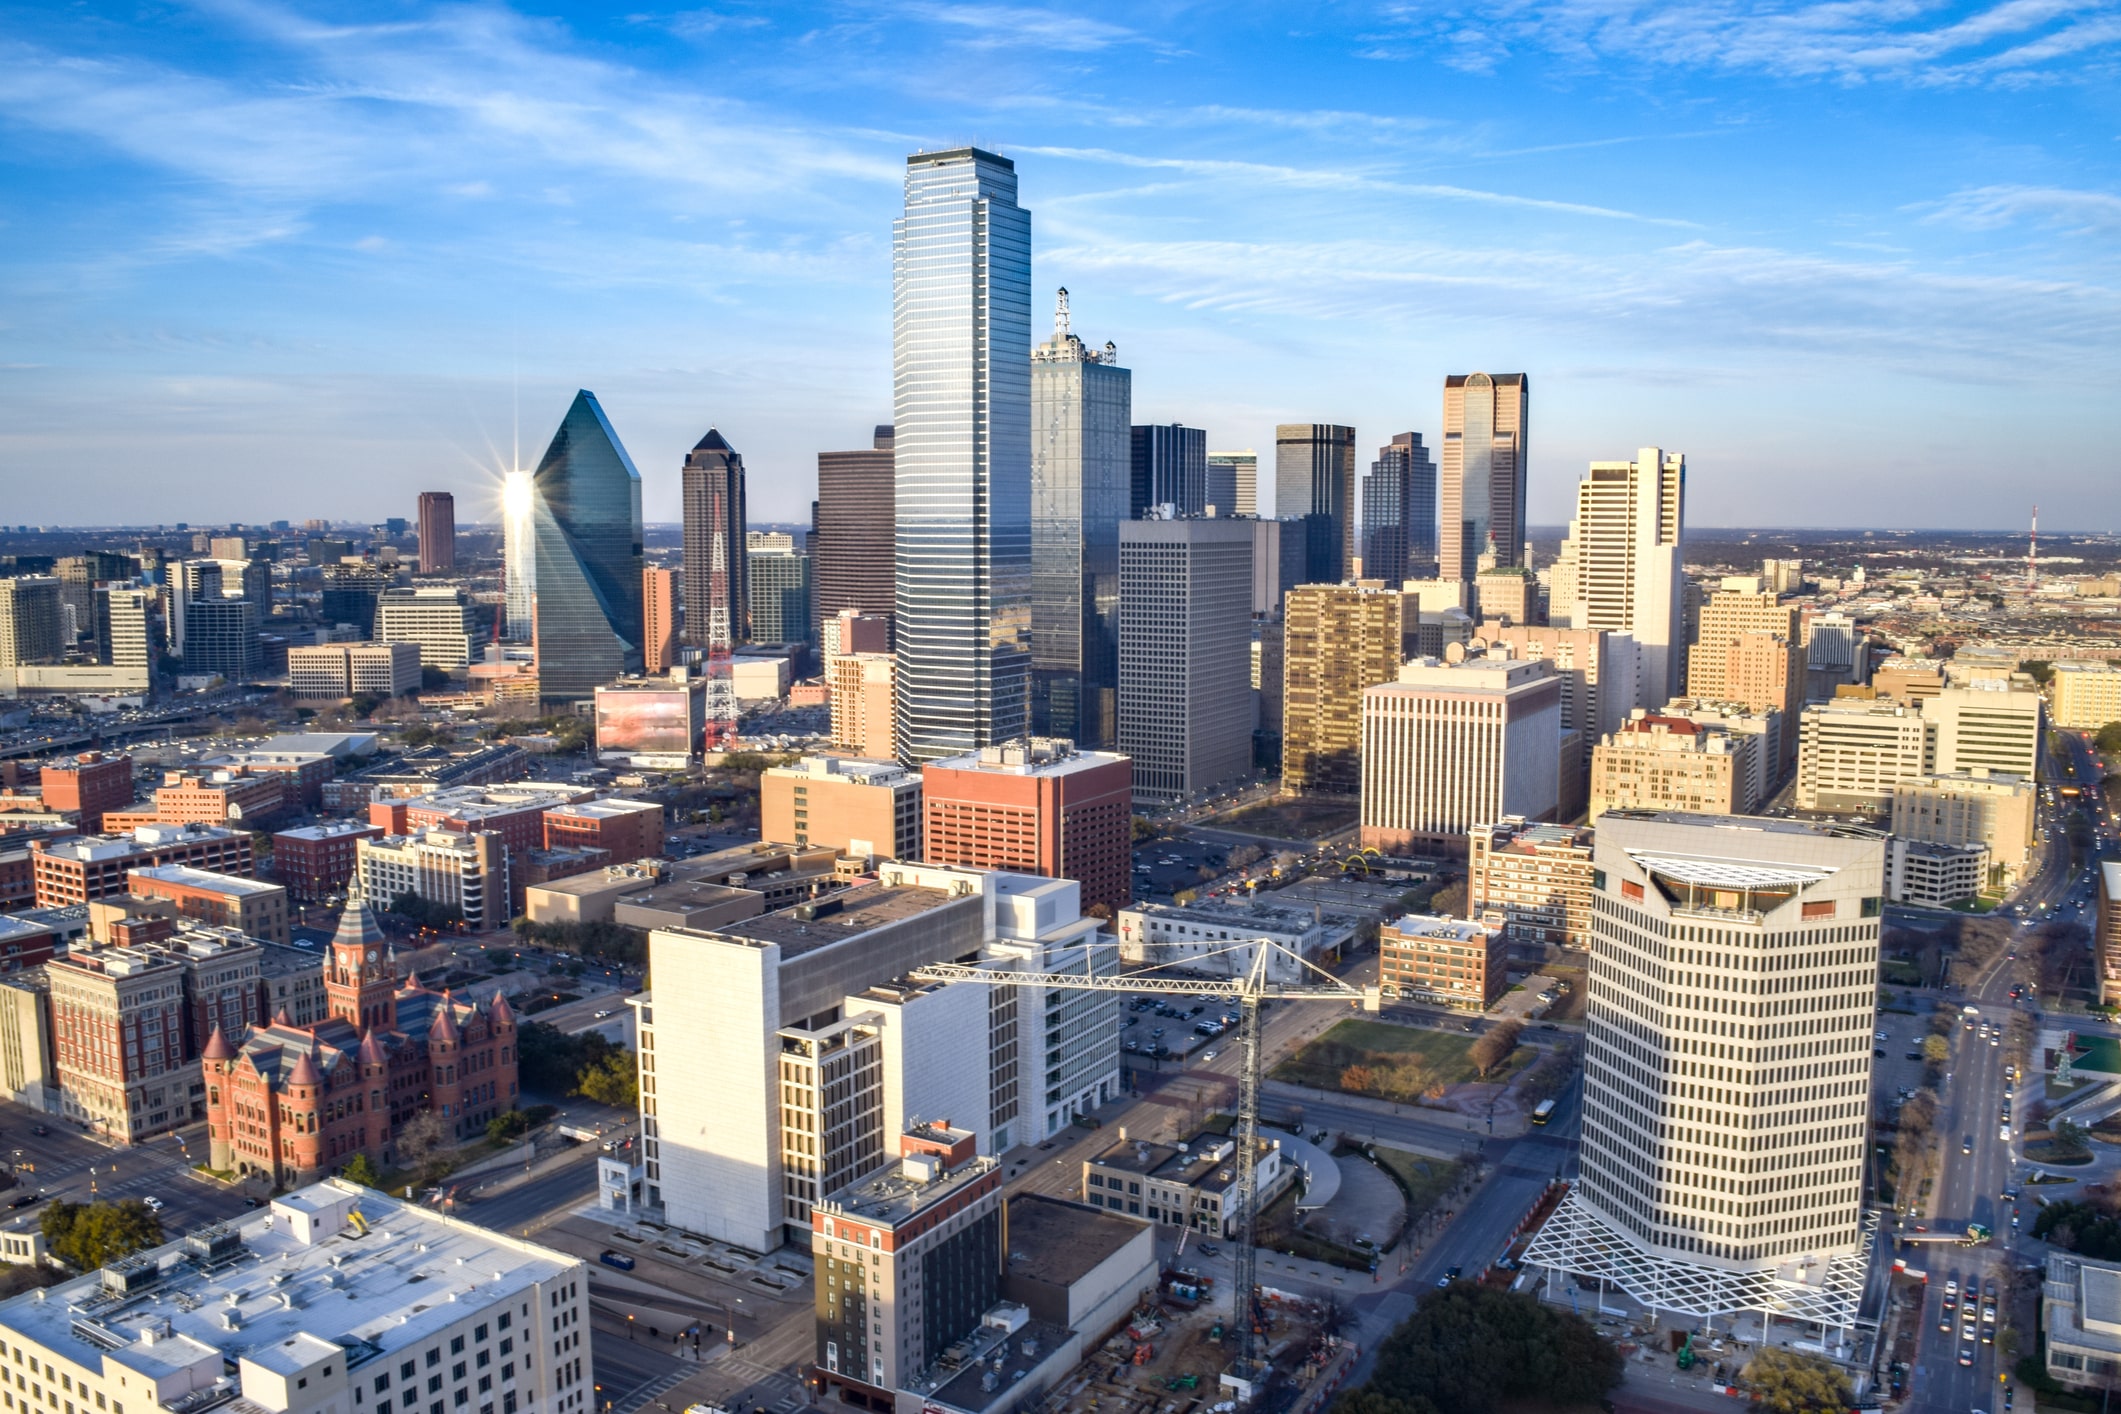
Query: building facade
{"type": "Point", "coordinates": [1453, 745]}
{"type": "Point", "coordinates": [250, 906]}
{"type": "Point", "coordinates": [857, 807]}
{"type": "Point", "coordinates": [1660, 762]}
{"type": "Point", "coordinates": [1035, 806]}
{"type": "Point", "coordinates": [854, 564]}
{"type": "Point", "coordinates": [1971, 807]}
{"type": "Point", "coordinates": [1853, 752]}
{"type": "Point", "coordinates": [1480, 488]}
{"type": "Point", "coordinates": [84, 868]}
{"type": "Point", "coordinates": [1168, 468]}
{"type": "Point", "coordinates": [460, 869]}
{"type": "Point", "coordinates": [1455, 962]}
{"type": "Point", "coordinates": [87, 784]}
{"type": "Point", "coordinates": [313, 862]}
{"type": "Point", "coordinates": [587, 572]}
{"type": "Point", "coordinates": [715, 519]}
{"type": "Point", "coordinates": [1399, 512]}
{"type": "Point", "coordinates": [438, 532]}
{"type": "Point", "coordinates": [1185, 637]}
{"type": "Point", "coordinates": [1314, 477]}
{"type": "Point", "coordinates": [1337, 641]}
{"type": "Point", "coordinates": [1624, 560]}
{"type": "Point", "coordinates": [1233, 483]}
{"type": "Point", "coordinates": [777, 581]}
{"type": "Point", "coordinates": [1537, 876]}
{"type": "Point", "coordinates": [659, 620]}
{"type": "Point", "coordinates": [863, 688]}
{"type": "Point", "coordinates": [2086, 696]}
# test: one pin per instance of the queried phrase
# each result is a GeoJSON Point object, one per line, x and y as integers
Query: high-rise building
{"type": "Point", "coordinates": [864, 703]}
{"type": "Point", "coordinates": [1727, 1068]}
{"type": "Point", "coordinates": [1624, 555]}
{"type": "Point", "coordinates": [1659, 762]}
{"type": "Point", "coordinates": [2106, 931]}
{"type": "Point", "coordinates": [1185, 635]}
{"type": "Point", "coordinates": [588, 557]}
{"type": "Point", "coordinates": [349, 596]}
{"type": "Point", "coordinates": [777, 579]}
{"type": "Point", "coordinates": [857, 807]}
{"type": "Point", "coordinates": [1961, 808]}
{"type": "Point", "coordinates": [519, 555]}
{"type": "Point", "coordinates": [1314, 477]}
{"type": "Point", "coordinates": [129, 628]}
{"type": "Point", "coordinates": [1399, 512]}
{"type": "Point", "coordinates": [2087, 695]}
{"type": "Point", "coordinates": [1337, 640]}
{"type": "Point", "coordinates": [221, 637]}
{"type": "Point", "coordinates": [1480, 489]}
{"type": "Point", "coordinates": [1537, 876]}
{"type": "Point", "coordinates": [1081, 400]}
{"type": "Point", "coordinates": [1452, 745]}
{"type": "Point", "coordinates": [438, 532]}
{"type": "Point", "coordinates": [855, 567]}
{"type": "Point", "coordinates": [1851, 752]}
{"type": "Point", "coordinates": [1742, 606]}
{"type": "Point", "coordinates": [659, 619]}
{"type": "Point", "coordinates": [714, 509]}
{"type": "Point", "coordinates": [1233, 482]}
{"type": "Point", "coordinates": [81, 578]}
{"type": "Point", "coordinates": [1988, 726]}
{"type": "Point", "coordinates": [1035, 806]}
{"type": "Point", "coordinates": [1169, 467]}
{"type": "Point", "coordinates": [961, 344]}
{"type": "Point", "coordinates": [29, 621]}
{"type": "Point", "coordinates": [437, 617]}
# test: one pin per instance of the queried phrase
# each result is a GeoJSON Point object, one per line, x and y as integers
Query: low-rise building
{"type": "Point", "coordinates": [24, 943]}
{"type": "Point", "coordinates": [305, 772]}
{"type": "Point", "coordinates": [1936, 875]}
{"type": "Point", "coordinates": [654, 722]}
{"type": "Point", "coordinates": [624, 829]}
{"type": "Point", "coordinates": [1537, 876]}
{"type": "Point", "coordinates": [333, 671]}
{"type": "Point", "coordinates": [251, 907]}
{"type": "Point", "coordinates": [1660, 762]}
{"type": "Point", "coordinates": [1852, 752]}
{"type": "Point", "coordinates": [1971, 807]}
{"type": "Point", "coordinates": [462, 869]}
{"type": "Point", "coordinates": [706, 892]}
{"type": "Point", "coordinates": [1217, 938]}
{"type": "Point", "coordinates": [2080, 1318]}
{"type": "Point", "coordinates": [2106, 925]}
{"type": "Point", "coordinates": [87, 784]}
{"type": "Point", "coordinates": [858, 807]}
{"type": "Point", "coordinates": [84, 868]}
{"type": "Point", "coordinates": [1191, 1185]}
{"type": "Point", "coordinates": [1454, 962]}
{"type": "Point", "coordinates": [314, 862]}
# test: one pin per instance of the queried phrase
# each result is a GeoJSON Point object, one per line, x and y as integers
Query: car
{"type": "Point", "coordinates": [1966, 1145]}
{"type": "Point", "coordinates": [599, 1016]}
{"type": "Point", "coordinates": [1881, 1036]}
{"type": "Point", "coordinates": [24, 1201]}
{"type": "Point", "coordinates": [1208, 1055]}
{"type": "Point", "coordinates": [1878, 1055]}
{"type": "Point", "coordinates": [2004, 1134]}
{"type": "Point", "coordinates": [154, 1204]}
{"type": "Point", "coordinates": [1914, 1055]}
{"type": "Point", "coordinates": [40, 1130]}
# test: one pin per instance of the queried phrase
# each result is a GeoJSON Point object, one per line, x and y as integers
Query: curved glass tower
{"type": "Point", "coordinates": [961, 363]}
{"type": "Point", "coordinates": [586, 528]}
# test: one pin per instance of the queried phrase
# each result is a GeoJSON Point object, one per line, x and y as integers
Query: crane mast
{"type": "Point", "coordinates": [1249, 990]}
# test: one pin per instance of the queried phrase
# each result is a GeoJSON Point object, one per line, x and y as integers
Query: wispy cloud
{"type": "Point", "coordinates": [1986, 208]}
{"type": "Point", "coordinates": [1018, 26]}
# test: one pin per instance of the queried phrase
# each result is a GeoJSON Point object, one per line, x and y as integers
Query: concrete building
{"type": "Point", "coordinates": [1990, 726]}
{"type": "Point", "coordinates": [28, 1067]}
{"type": "Point", "coordinates": [1934, 875]}
{"type": "Point", "coordinates": [716, 560]}
{"type": "Point", "coordinates": [1338, 641]}
{"type": "Point", "coordinates": [2106, 930]}
{"type": "Point", "coordinates": [1744, 605]}
{"type": "Point", "coordinates": [862, 690]}
{"type": "Point", "coordinates": [1218, 937]}
{"type": "Point", "coordinates": [1658, 762]}
{"type": "Point", "coordinates": [1191, 1185]}
{"type": "Point", "coordinates": [1852, 752]}
{"type": "Point", "coordinates": [1185, 633]}
{"type": "Point", "coordinates": [331, 671]}
{"type": "Point", "coordinates": [461, 869]}
{"type": "Point", "coordinates": [1168, 471]}
{"type": "Point", "coordinates": [659, 620]}
{"type": "Point", "coordinates": [1233, 483]}
{"type": "Point", "coordinates": [858, 807]}
{"type": "Point", "coordinates": [192, 1323]}
{"type": "Point", "coordinates": [1769, 729]}
{"type": "Point", "coordinates": [253, 908]}
{"type": "Point", "coordinates": [778, 580]}
{"type": "Point", "coordinates": [2086, 696]}
{"type": "Point", "coordinates": [854, 566]}
{"type": "Point", "coordinates": [29, 621]}
{"type": "Point", "coordinates": [728, 885]}
{"type": "Point", "coordinates": [1537, 876]}
{"type": "Point", "coordinates": [655, 722]}
{"type": "Point", "coordinates": [1453, 745]}
{"type": "Point", "coordinates": [1455, 962]}
{"type": "Point", "coordinates": [1399, 512]}
{"type": "Point", "coordinates": [1910, 680]}
{"type": "Point", "coordinates": [314, 862]}
{"type": "Point", "coordinates": [438, 532]}
{"type": "Point", "coordinates": [119, 1041]}
{"type": "Point", "coordinates": [625, 829]}
{"type": "Point", "coordinates": [1598, 673]}
{"type": "Point", "coordinates": [1732, 995]}
{"type": "Point", "coordinates": [2080, 1320]}
{"type": "Point", "coordinates": [1036, 806]}
{"type": "Point", "coordinates": [1480, 487]}
{"type": "Point", "coordinates": [89, 867]}
{"type": "Point", "coordinates": [1971, 807]}
{"type": "Point", "coordinates": [1624, 556]}
{"type": "Point", "coordinates": [88, 785]}
{"type": "Point", "coordinates": [1076, 1268]}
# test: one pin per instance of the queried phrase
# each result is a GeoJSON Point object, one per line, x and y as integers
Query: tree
{"type": "Point", "coordinates": [421, 1142]}
{"type": "Point", "coordinates": [1493, 1046]}
{"type": "Point", "coordinates": [504, 1127]}
{"type": "Point", "coordinates": [612, 1081]}
{"type": "Point", "coordinates": [425, 912]}
{"type": "Point", "coordinates": [1450, 900]}
{"type": "Point", "coordinates": [1143, 830]}
{"type": "Point", "coordinates": [1936, 1050]}
{"type": "Point", "coordinates": [551, 1062]}
{"type": "Point", "coordinates": [2108, 739]}
{"type": "Point", "coordinates": [362, 1170]}
{"type": "Point", "coordinates": [1470, 1348]}
{"type": "Point", "coordinates": [1785, 1382]}
{"type": "Point", "coordinates": [89, 1235]}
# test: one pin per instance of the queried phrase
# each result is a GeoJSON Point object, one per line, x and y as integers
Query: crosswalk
{"type": "Point", "coordinates": [643, 1393]}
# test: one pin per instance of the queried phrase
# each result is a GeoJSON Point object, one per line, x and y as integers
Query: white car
{"type": "Point", "coordinates": [1207, 1055]}
{"type": "Point", "coordinates": [154, 1205]}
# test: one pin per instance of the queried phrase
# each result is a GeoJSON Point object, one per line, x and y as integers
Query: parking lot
{"type": "Point", "coordinates": [1163, 1027]}
{"type": "Point", "coordinates": [1163, 867]}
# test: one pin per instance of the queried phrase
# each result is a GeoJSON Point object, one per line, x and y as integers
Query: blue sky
{"type": "Point", "coordinates": [1861, 260]}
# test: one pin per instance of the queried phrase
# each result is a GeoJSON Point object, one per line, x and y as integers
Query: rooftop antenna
{"type": "Point", "coordinates": [1060, 314]}
{"type": "Point", "coordinates": [2032, 553]}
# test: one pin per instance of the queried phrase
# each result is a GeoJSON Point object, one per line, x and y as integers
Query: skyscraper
{"type": "Point", "coordinates": [1233, 483]}
{"type": "Point", "coordinates": [1080, 403]}
{"type": "Point", "coordinates": [587, 529]}
{"type": "Point", "coordinates": [961, 345]}
{"type": "Point", "coordinates": [714, 507]}
{"type": "Point", "coordinates": [1169, 468]}
{"type": "Point", "coordinates": [1399, 512]}
{"type": "Point", "coordinates": [853, 566]}
{"type": "Point", "coordinates": [659, 619]}
{"type": "Point", "coordinates": [778, 580]}
{"type": "Point", "coordinates": [438, 532]}
{"type": "Point", "coordinates": [1185, 639]}
{"type": "Point", "coordinates": [519, 554]}
{"type": "Point", "coordinates": [1339, 640]}
{"type": "Point", "coordinates": [1727, 1067]}
{"type": "Point", "coordinates": [1482, 485]}
{"type": "Point", "coordinates": [1623, 555]}
{"type": "Point", "coordinates": [1314, 477]}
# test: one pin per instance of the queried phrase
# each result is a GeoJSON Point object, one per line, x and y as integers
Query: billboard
{"type": "Point", "coordinates": [648, 721]}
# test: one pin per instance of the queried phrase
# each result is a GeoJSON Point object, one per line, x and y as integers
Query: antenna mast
{"type": "Point", "coordinates": [719, 707]}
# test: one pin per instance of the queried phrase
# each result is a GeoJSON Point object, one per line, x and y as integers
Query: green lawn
{"type": "Point", "coordinates": [2100, 1053]}
{"type": "Point", "coordinates": [1396, 1062]}
{"type": "Point", "coordinates": [1293, 819]}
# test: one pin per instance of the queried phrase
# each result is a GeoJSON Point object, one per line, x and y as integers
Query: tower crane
{"type": "Point", "coordinates": [1250, 990]}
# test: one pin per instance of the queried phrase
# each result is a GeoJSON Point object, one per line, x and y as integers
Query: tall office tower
{"type": "Point", "coordinates": [1233, 482]}
{"type": "Point", "coordinates": [221, 636]}
{"type": "Point", "coordinates": [1314, 477]}
{"type": "Point", "coordinates": [1481, 486]}
{"type": "Point", "coordinates": [437, 617]}
{"type": "Point", "coordinates": [1987, 726]}
{"type": "Point", "coordinates": [1399, 512]}
{"type": "Point", "coordinates": [79, 577]}
{"type": "Point", "coordinates": [588, 529]}
{"type": "Point", "coordinates": [1624, 545]}
{"type": "Point", "coordinates": [128, 627]}
{"type": "Point", "coordinates": [714, 510]}
{"type": "Point", "coordinates": [1337, 640]}
{"type": "Point", "coordinates": [1783, 576]}
{"type": "Point", "coordinates": [1727, 1059]}
{"type": "Point", "coordinates": [1081, 400]}
{"type": "Point", "coordinates": [961, 370]}
{"type": "Point", "coordinates": [853, 568]}
{"type": "Point", "coordinates": [1036, 805]}
{"type": "Point", "coordinates": [1169, 467]}
{"type": "Point", "coordinates": [1744, 604]}
{"type": "Point", "coordinates": [1185, 641]}
{"type": "Point", "coordinates": [1451, 745]}
{"type": "Point", "coordinates": [659, 619]}
{"type": "Point", "coordinates": [349, 596]}
{"type": "Point", "coordinates": [862, 703]}
{"type": "Point", "coordinates": [438, 532]}
{"type": "Point", "coordinates": [1852, 752]}
{"type": "Point", "coordinates": [519, 555]}
{"type": "Point", "coordinates": [778, 581]}
{"type": "Point", "coordinates": [29, 621]}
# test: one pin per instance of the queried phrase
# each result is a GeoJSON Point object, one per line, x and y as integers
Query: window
{"type": "Point", "coordinates": [456, 1345]}
{"type": "Point", "coordinates": [434, 1358]}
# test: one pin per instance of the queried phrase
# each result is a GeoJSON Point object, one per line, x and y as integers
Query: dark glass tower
{"type": "Point", "coordinates": [1399, 512]}
{"type": "Point", "coordinates": [1314, 477]}
{"type": "Point", "coordinates": [1170, 468]}
{"type": "Point", "coordinates": [588, 559]}
{"type": "Point", "coordinates": [714, 504]}
{"type": "Point", "coordinates": [852, 566]}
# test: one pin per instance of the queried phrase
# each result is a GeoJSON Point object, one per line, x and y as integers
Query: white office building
{"type": "Point", "coordinates": [436, 617]}
{"type": "Point", "coordinates": [1622, 564]}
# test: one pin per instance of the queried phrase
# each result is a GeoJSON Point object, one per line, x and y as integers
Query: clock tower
{"type": "Point", "coordinates": [361, 979]}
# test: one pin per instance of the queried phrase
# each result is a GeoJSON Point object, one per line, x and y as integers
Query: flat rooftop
{"type": "Point", "coordinates": [1239, 913]}
{"type": "Point", "coordinates": [1208, 1161]}
{"type": "Point", "coordinates": [610, 809]}
{"type": "Point", "coordinates": [416, 1272]}
{"type": "Point", "coordinates": [1449, 930]}
{"type": "Point", "coordinates": [1040, 756]}
{"type": "Point", "coordinates": [330, 830]}
{"type": "Point", "coordinates": [203, 879]}
{"type": "Point", "coordinates": [1009, 1357]}
{"type": "Point", "coordinates": [1060, 1241]}
{"type": "Point", "coordinates": [891, 1195]}
{"type": "Point", "coordinates": [96, 849]}
{"type": "Point", "coordinates": [860, 909]}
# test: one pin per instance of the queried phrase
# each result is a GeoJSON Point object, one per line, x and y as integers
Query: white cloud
{"type": "Point", "coordinates": [1987, 208]}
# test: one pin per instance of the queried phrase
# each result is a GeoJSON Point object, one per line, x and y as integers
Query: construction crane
{"type": "Point", "coordinates": [1249, 990]}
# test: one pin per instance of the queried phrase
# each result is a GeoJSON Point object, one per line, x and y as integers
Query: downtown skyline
{"type": "Point", "coordinates": [352, 258]}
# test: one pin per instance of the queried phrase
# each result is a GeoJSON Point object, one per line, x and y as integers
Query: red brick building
{"type": "Point", "coordinates": [88, 867]}
{"type": "Point", "coordinates": [90, 783]}
{"type": "Point", "coordinates": [1035, 807]}
{"type": "Point", "coordinates": [627, 829]}
{"type": "Point", "coordinates": [253, 908]}
{"type": "Point", "coordinates": [314, 862]}
{"type": "Point", "coordinates": [218, 797]}
{"type": "Point", "coordinates": [295, 1102]}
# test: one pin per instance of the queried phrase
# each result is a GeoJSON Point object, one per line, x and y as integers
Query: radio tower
{"type": "Point", "coordinates": [2032, 553]}
{"type": "Point", "coordinates": [720, 704]}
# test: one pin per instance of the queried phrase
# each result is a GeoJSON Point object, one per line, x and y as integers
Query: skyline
{"type": "Point", "coordinates": [384, 253]}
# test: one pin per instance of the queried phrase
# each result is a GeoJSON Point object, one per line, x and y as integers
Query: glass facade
{"type": "Point", "coordinates": [961, 365]}
{"type": "Point", "coordinates": [587, 533]}
{"type": "Point", "coordinates": [1170, 469]}
{"type": "Point", "coordinates": [1482, 482]}
{"type": "Point", "coordinates": [1080, 403]}
{"type": "Point", "coordinates": [713, 487]}
{"type": "Point", "coordinates": [1314, 477]}
{"type": "Point", "coordinates": [778, 582]}
{"type": "Point", "coordinates": [1399, 512]}
{"type": "Point", "coordinates": [519, 585]}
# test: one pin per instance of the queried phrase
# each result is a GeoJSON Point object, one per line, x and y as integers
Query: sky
{"type": "Point", "coordinates": [1859, 260]}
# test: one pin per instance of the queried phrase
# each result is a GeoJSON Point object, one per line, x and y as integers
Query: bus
{"type": "Point", "coordinates": [1544, 1112]}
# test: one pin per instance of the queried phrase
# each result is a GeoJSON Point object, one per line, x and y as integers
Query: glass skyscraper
{"type": "Point", "coordinates": [519, 585]}
{"type": "Point", "coordinates": [1481, 484]}
{"type": "Point", "coordinates": [1081, 400]}
{"type": "Point", "coordinates": [1170, 469]}
{"type": "Point", "coordinates": [961, 364]}
{"type": "Point", "coordinates": [586, 526]}
{"type": "Point", "coordinates": [1314, 477]}
{"type": "Point", "coordinates": [1399, 512]}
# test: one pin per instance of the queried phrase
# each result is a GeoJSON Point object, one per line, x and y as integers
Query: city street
{"type": "Point", "coordinates": [70, 1165]}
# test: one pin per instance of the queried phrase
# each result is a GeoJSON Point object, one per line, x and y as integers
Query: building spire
{"type": "Point", "coordinates": [1060, 315]}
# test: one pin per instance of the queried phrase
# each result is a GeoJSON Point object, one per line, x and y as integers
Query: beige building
{"type": "Point", "coordinates": [1742, 607]}
{"type": "Point", "coordinates": [1775, 733]}
{"type": "Point", "coordinates": [462, 869]}
{"type": "Point", "coordinates": [336, 670]}
{"type": "Point", "coordinates": [1971, 807]}
{"type": "Point", "coordinates": [251, 906]}
{"type": "Point", "coordinates": [1623, 561]}
{"type": "Point", "coordinates": [1480, 480]}
{"type": "Point", "coordinates": [1852, 752]}
{"type": "Point", "coordinates": [1453, 962]}
{"type": "Point", "coordinates": [2086, 695]}
{"type": "Point", "coordinates": [1337, 641]}
{"type": "Point", "coordinates": [1537, 876]}
{"type": "Point", "coordinates": [1598, 679]}
{"type": "Point", "coordinates": [1659, 762]}
{"type": "Point", "coordinates": [854, 806]}
{"type": "Point", "coordinates": [2107, 939]}
{"type": "Point", "coordinates": [1910, 680]}
{"type": "Point", "coordinates": [2080, 1318]}
{"type": "Point", "coordinates": [27, 1074]}
{"type": "Point", "coordinates": [1452, 745]}
{"type": "Point", "coordinates": [861, 688]}
{"type": "Point", "coordinates": [1987, 725]}
{"type": "Point", "coordinates": [436, 619]}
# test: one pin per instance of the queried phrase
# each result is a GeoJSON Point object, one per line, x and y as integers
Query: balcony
{"type": "Point", "coordinates": [1750, 916]}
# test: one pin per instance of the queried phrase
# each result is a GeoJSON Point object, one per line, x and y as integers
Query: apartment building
{"type": "Point", "coordinates": [1537, 876]}
{"type": "Point", "coordinates": [855, 806]}
{"type": "Point", "coordinates": [462, 869]}
{"type": "Point", "coordinates": [83, 868]}
{"type": "Point", "coordinates": [1338, 641]}
{"type": "Point", "coordinates": [2086, 696]}
{"type": "Point", "coordinates": [861, 687]}
{"type": "Point", "coordinates": [251, 907]}
{"type": "Point", "coordinates": [1659, 762]}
